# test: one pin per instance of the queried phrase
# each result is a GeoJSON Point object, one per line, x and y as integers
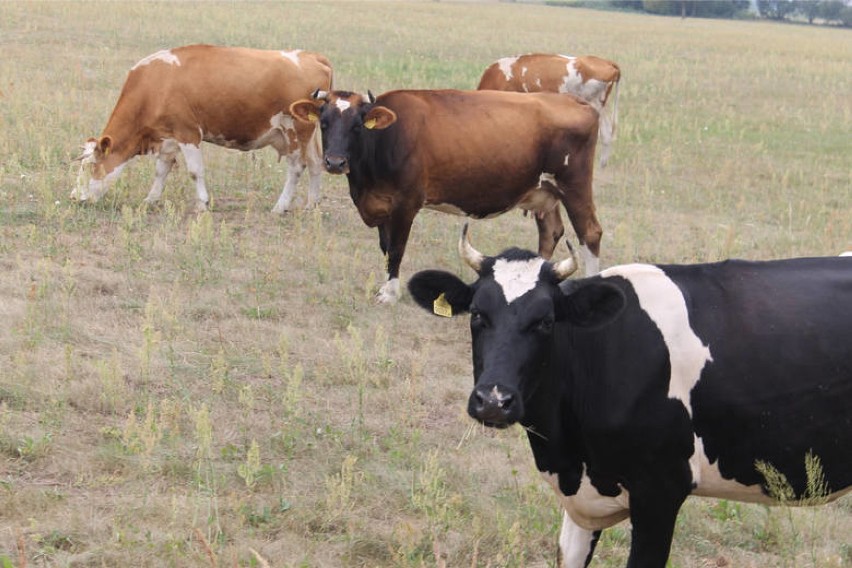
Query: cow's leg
{"type": "Point", "coordinates": [550, 230]}
{"type": "Point", "coordinates": [581, 212]}
{"type": "Point", "coordinates": [195, 166]}
{"type": "Point", "coordinates": [654, 505]}
{"type": "Point", "coordinates": [313, 160]}
{"type": "Point", "coordinates": [295, 167]}
{"type": "Point", "coordinates": [165, 160]}
{"type": "Point", "coordinates": [576, 544]}
{"type": "Point", "coordinates": [393, 237]}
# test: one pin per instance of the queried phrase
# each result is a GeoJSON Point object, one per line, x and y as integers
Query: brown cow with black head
{"type": "Point", "coordinates": [474, 153]}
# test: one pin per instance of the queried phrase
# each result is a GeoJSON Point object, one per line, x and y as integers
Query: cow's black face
{"type": "Point", "coordinates": [516, 307]}
{"type": "Point", "coordinates": [512, 317]}
{"type": "Point", "coordinates": [343, 117]}
{"type": "Point", "coordinates": [511, 349]}
{"type": "Point", "coordinates": [341, 121]}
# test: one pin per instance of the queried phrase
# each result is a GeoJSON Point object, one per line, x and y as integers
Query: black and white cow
{"type": "Point", "coordinates": [645, 384]}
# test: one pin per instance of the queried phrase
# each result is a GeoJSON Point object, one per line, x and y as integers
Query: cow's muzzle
{"type": "Point", "coordinates": [336, 164]}
{"type": "Point", "coordinates": [494, 407]}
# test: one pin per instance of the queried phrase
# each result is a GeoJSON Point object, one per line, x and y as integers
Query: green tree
{"type": "Point", "coordinates": [776, 9]}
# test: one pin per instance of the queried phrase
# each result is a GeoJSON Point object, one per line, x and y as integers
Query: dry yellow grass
{"type": "Point", "coordinates": [178, 388]}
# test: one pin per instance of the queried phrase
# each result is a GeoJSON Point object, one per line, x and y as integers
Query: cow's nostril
{"type": "Point", "coordinates": [504, 401]}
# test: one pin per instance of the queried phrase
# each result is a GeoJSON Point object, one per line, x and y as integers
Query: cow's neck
{"type": "Point", "coordinates": [555, 433]}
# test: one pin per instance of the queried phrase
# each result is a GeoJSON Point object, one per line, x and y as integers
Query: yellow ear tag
{"type": "Point", "coordinates": [442, 307]}
{"type": "Point", "coordinates": [106, 152]}
{"type": "Point", "coordinates": [312, 117]}
{"type": "Point", "coordinates": [370, 124]}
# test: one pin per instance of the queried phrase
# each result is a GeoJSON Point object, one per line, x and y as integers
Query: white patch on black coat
{"type": "Point", "coordinates": [664, 303]}
{"type": "Point", "coordinates": [517, 277]}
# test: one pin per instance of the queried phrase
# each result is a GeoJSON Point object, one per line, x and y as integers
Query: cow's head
{"type": "Point", "coordinates": [102, 166]}
{"type": "Point", "coordinates": [343, 117]}
{"type": "Point", "coordinates": [515, 308]}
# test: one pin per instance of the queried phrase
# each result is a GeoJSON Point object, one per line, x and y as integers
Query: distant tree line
{"type": "Point", "coordinates": [827, 12]}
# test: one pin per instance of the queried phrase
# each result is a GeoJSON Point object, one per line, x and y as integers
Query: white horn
{"type": "Point", "coordinates": [565, 268]}
{"type": "Point", "coordinates": [469, 254]}
{"type": "Point", "coordinates": [320, 95]}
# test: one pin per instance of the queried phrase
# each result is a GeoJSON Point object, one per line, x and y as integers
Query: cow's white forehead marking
{"type": "Point", "coordinates": [663, 301]}
{"type": "Point", "coordinates": [517, 277]}
{"type": "Point", "coordinates": [292, 55]}
{"type": "Point", "coordinates": [505, 64]}
{"type": "Point", "coordinates": [342, 104]}
{"type": "Point", "coordinates": [165, 55]}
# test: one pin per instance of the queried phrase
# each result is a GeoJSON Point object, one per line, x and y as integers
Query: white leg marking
{"type": "Point", "coordinates": [591, 263]}
{"type": "Point", "coordinates": [195, 165]}
{"type": "Point", "coordinates": [165, 161]}
{"type": "Point", "coordinates": [315, 167]}
{"type": "Point", "coordinates": [663, 301]}
{"type": "Point", "coordinates": [295, 167]}
{"type": "Point", "coordinates": [575, 543]}
{"type": "Point", "coordinates": [389, 292]}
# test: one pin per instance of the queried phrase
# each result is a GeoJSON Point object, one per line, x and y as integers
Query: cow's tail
{"type": "Point", "coordinates": [609, 122]}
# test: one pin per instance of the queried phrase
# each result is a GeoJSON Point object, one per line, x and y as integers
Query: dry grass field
{"type": "Point", "coordinates": [182, 390]}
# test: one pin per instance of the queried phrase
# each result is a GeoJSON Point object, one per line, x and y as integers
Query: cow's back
{"type": "Point", "coordinates": [227, 92]}
{"type": "Point", "coordinates": [474, 117]}
{"type": "Point", "coordinates": [588, 76]}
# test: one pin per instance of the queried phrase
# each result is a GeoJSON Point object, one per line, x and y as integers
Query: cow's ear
{"type": "Point", "coordinates": [104, 145]}
{"type": "Point", "coordinates": [440, 292]}
{"type": "Point", "coordinates": [305, 110]}
{"type": "Point", "coordinates": [379, 117]}
{"type": "Point", "coordinates": [591, 305]}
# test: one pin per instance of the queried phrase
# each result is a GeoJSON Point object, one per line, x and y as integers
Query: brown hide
{"type": "Point", "coordinates": [226, 94]}
{"type": "Point", "coordinates": [476, 153]}
{"type": "Point", "coordinates": [537, 72]}
{"type": "Point", "coordinates": [482, 151]}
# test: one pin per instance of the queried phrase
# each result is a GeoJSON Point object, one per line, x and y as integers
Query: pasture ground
{"type": "Point", "coordinates": [179, 390]}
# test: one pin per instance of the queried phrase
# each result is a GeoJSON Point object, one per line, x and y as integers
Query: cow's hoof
{"type": "Point", "coordinates": [389, 292]}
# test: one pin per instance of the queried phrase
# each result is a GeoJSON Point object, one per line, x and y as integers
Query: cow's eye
{"type": "Point", "coordinates": [544, 326]}
{"type": "Point", "coordinates": [477, 319]}
{"type": "Point", "coordinates": [324, 124]}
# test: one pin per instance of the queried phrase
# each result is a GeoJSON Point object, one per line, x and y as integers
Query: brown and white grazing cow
{"type": "Point", "coordinates": [475, 153]}
{"type": "Point", "coordinates": [588, 77]}
{"type": "Point", "coordinates": [234, 97]}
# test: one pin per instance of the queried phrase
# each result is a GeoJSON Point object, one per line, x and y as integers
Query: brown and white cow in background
{"type": "Point", "coordinates": [234, 97]}
{"type": "Point", "coordinates": [588, 77]}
